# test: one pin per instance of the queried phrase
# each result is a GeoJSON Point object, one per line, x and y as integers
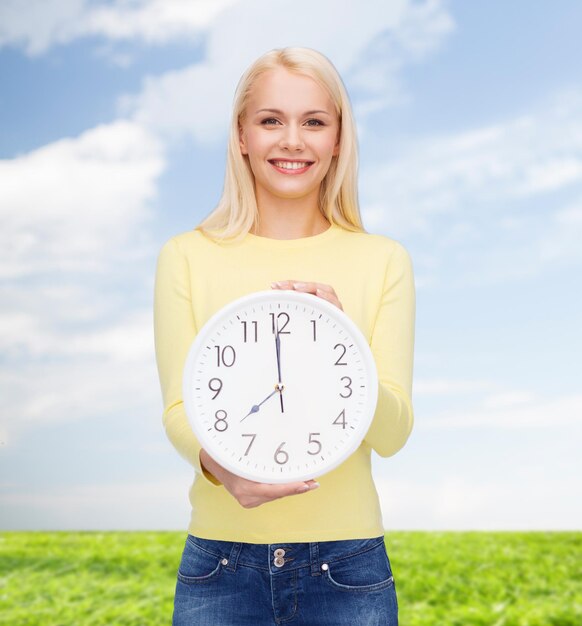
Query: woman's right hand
{"type": "Point", "coordinates": [249, 493]}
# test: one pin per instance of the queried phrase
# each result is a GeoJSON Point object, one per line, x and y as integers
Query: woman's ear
{"type": "Point", "coordinates": [336, 148]}
{"type": "Point", "coordinates": [241, 140]}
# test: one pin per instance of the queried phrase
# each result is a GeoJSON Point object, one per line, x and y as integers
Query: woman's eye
{"type": "Point", "coordinates": [267, 122]}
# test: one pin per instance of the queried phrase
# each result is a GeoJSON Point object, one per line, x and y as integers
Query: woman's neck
{"type": "Point", "coordinates": [290, 226]}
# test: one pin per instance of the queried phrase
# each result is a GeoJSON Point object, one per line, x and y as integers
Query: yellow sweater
{"type": "Point", "coordinates": [373, 278]}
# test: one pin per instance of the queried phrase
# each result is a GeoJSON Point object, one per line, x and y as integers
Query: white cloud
{"type": "Point", "coordinates": [515, 410]}
{"type": "Point", "coordinates": [509, 399]}
{"type": "Point", "coordinates": [552, 174]}
{"type": "Point", "coordinates": [49, 335]}
{"type": "Point", "coordinates": [490, 166]}
{"type": "Point", "coordinates": [58, 376]}
{"type": "Point", "coordinates": [448, 503]}
{"type": "Point", "coordinates": [460, 502]}
{"type": "Point", "coordinates": [446, 386]}
{"type": "Point", "coordinates": [68, 205]}
{"type": "Point", "coordinates": [561, 243]}
{"type": "Point", "coordinates": [75, 242]}
{"type": "Point", "coordinates": [154, 21]}
{"type": "Point", "coordinates": [46, 23]}
{"type": "Point", "coordinates": [42, 24]}
{"type": "Point", "coordinates": [368, 47]}
{"type": "Point", "coordinates": [148, 505]}
{"type": "Point", "coordinates": [488, 205]}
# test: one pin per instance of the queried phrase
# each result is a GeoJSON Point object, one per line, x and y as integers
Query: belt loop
{"type": "Point", "coordinates": [314, 556]}
{"type": "Point", "coordinates": [233, 558]}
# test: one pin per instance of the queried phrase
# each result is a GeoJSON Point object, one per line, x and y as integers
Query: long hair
{"type": "Point", "coordinates": [236, 212]}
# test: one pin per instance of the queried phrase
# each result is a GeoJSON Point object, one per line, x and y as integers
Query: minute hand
{"type": "Point", "coordinates": [278, 348]}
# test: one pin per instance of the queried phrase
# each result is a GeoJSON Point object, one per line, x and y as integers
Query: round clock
{"type": "Point", "coordinates": [280, 386]}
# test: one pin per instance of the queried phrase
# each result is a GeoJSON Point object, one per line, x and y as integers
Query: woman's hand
{"type": "Point", "coordinates": [327, 292]}
{"type": "Point", "coordinates": [248, 493]}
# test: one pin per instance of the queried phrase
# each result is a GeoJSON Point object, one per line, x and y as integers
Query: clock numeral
{"type": "Point", "coordinates": [281, 453]}
{"type": "Point", "coordinates": [222, 356]}
{"type": "Point", "coordinates": [244, 323]}
{"type": "Point", "coordinates": [314, 322]}
{"type": "Point", "coordinates": [340, 345]}
{"type": "Point", "coordinates": [341, 422]}
{"type": "Point", "coordinates": [312, 440]}
{"type": "Point", "coordinates": [251, 443]}
{"type": "Point", "coordinates": [347, 386]}
{"type": "Point", "coordinates": [220, 420]}
{"type": "Point", "coordinates": [213, 389]}
{"type": "Point", "coordinates": [281, 331]}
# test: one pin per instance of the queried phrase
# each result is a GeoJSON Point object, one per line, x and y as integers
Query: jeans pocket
{"type": "Point", "coordinates": [361, 571]}
{"type": "Point", "coordinates": [197, 565]}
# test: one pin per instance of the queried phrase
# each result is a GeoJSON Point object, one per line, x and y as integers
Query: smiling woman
{"type": "Point", "coordinates": [304, 552]}
{"type": "Point", "coordinates": [290, 106]}
{"type": "Point", "coordinates": [289, 153]}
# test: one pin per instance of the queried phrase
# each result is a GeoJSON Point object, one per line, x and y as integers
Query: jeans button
{"type": "Point", "coordinates": [279, 552]}
{"type": "Point", "coordinates": [279, 561]}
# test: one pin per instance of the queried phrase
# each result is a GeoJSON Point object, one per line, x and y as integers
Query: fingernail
{"type": "Point", "coordinates": [274, 284]}
{"type": "Point", "coordinates": [314, 485]}
{"type": "Point", "coordinates": [303, 489]}
{"type": "Point", "coordinates": [299, 285]}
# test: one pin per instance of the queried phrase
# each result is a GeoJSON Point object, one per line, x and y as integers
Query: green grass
{"type": "Point", "coordinates": [442, 578]}
{"type": "Point", "coordinates": [488, 578]}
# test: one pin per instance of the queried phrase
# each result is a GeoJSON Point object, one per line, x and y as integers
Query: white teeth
{"type": "Point", "coordinates": [290, 166]}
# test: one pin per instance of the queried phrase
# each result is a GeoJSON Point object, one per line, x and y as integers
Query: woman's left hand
{"type": "Point", "coordinates": [327, 292]}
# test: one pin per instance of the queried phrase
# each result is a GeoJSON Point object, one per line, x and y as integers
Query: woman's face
{"type": "Point", "coordinates": [300, 126]}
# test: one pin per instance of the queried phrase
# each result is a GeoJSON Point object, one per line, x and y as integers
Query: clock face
{"type": "Point", "coordinates": [280, 386]}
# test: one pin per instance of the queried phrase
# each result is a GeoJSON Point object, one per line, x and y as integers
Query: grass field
{"type": "Point", "coordinates": [442, 578]}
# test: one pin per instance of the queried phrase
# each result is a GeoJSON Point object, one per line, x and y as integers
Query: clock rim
{"type": "Point", "coordinates": [268, 295]}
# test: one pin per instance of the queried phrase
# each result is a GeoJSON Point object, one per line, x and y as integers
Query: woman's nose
{"type": "Point", "coordinates": [291, 138]}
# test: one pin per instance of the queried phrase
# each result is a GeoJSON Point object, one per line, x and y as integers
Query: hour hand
{"type": "Point", "coordinates": [255, 408]}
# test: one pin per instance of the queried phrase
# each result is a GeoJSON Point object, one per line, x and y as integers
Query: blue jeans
{"type": "Point", "coordinates": [224, 583]}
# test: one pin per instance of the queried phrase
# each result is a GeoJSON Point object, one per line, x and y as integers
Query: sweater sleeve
{"type": "Point", "coordinates": [392, 345]}
{"type": "Point", "coordinates": [174, 331]}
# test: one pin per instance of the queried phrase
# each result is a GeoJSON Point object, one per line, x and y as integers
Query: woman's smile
{"type": "Point", "coordinates": [285, 166]}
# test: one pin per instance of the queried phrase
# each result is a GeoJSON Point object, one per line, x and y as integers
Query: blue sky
{"type": "Point", "coordinates": [113, 121]}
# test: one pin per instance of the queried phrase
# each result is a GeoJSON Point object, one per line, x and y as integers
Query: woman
{"type": "Point", "coordinates": [310, 552]}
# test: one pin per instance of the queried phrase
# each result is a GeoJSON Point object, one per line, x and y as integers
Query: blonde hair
{"type": "Point", "coordinates": [236, 212]}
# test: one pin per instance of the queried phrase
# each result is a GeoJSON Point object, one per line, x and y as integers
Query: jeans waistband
{"type": "Point", "coordinates": [284, 557]}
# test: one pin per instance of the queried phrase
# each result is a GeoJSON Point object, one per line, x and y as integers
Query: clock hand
{"type": "Point", "coordinates": [256, 407]}
{"type": "Point", "coordinates": [278, 348]}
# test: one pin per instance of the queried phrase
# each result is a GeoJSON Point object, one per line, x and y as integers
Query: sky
{"type": "Point", "coordinates": [113, 130]}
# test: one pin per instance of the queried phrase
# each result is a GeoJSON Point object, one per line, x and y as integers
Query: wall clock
{"type": "Point", "coordinates": [280, 386]}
